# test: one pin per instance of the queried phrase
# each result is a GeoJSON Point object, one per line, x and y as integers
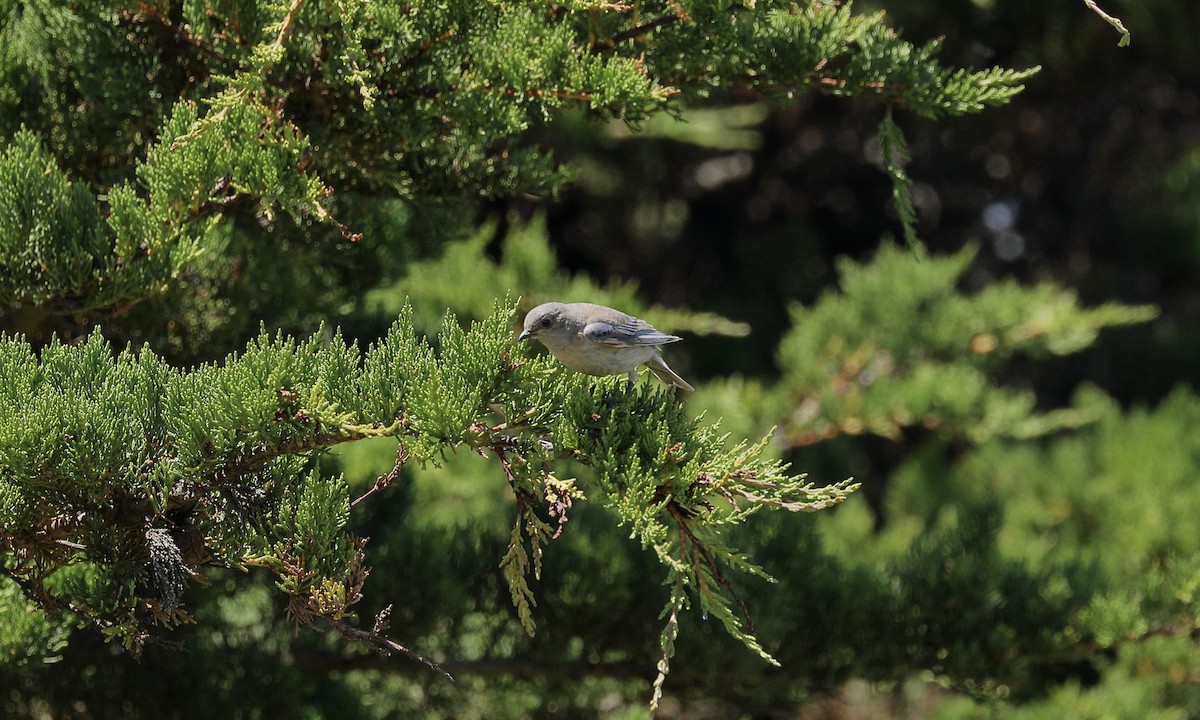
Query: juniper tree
{"type": "Point", "coordinates": [177, 158]}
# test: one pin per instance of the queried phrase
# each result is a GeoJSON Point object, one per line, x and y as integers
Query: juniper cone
{"type": "Point", "coordinates": [598, 340]}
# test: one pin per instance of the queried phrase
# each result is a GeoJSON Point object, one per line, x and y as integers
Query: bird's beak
{"type": "Point", "coordinates": [525, 335]}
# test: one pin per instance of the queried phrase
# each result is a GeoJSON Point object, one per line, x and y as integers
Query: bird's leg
{"type": "Point", "coordinates": [632, 380]}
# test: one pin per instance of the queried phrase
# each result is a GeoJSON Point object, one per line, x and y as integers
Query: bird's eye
{"type": "Point", "coordinates": [546, 322]}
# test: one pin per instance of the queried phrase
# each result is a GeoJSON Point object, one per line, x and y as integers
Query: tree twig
{"type": "Point", "coordinates": [383, 481]}
{"type": "Point", "coordinates": [1115, 22]}
{"type": "Point", "coordinates": [383, 644]}
{"type": "Point", "coordinates": [285, 28]}
{"type": "Point", "coordinates": [606, 45]}
{"type": "Point", "coordinates": [711, 562]}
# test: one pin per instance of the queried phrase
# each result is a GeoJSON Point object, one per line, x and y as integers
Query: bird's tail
{"type": "Point", "coordinates": [659, 367]}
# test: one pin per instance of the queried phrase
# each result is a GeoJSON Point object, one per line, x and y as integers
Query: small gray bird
{"type": "Point", "coordinates": [598, 340]}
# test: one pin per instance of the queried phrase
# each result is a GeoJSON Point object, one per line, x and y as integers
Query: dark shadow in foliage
{"type": "Point", "coordinates": [955, 607]}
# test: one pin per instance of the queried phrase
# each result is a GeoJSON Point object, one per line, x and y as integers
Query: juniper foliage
{"type": "Point", "coordinates": [267, 109]}
{"type": "Point", "coordinates": [157, 154]}
{"type": "Point", "coordinates": [903, 346]}
{"type": "Point", "coordinates": [121, 476]}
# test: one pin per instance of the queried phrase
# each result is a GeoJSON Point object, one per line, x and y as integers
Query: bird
{"type": "Point", "coordinates": [598, 340]}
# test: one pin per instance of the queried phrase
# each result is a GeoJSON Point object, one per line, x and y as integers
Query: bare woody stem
{"type": "Point", "coordinates": [285, 28]}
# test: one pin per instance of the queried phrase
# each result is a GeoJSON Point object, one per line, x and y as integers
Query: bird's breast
{"type": "Point", "coordinates": [593, 358]}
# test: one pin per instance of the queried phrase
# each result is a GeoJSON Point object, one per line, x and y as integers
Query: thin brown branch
{"type": "Point", "coordinates": [682, 521]}
{"type": "Point", "coordinates": [181, 37]}
{"type": "Point", "coordinates": [346, 232]}
{"type": "Point", "coordinates": [533, 669]}
{"type": "Point", "coordinates": [503, 457]}
{"type": "Point", "coordinates": [383, 644]}
{"type": "Point", "coordinates": [410, 61]}
{"type": "Point", "coordinates": [384, 481]}
{"type": "Point", "coordinates": [285, 27]}
{"type": "Point", "coordinates": [635, 32]}
{"type": "Point", "coordinates": [578, 96]}
{"type": "Point", "coordinates": [322, 662]}
{"type": "Point", "coordinates": [1115, 22]}
{"type": "Point", "coordinates": [257, 457]}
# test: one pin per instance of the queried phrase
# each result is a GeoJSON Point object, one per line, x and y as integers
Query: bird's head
{"type": "Point", "coordinates": [544, 320]}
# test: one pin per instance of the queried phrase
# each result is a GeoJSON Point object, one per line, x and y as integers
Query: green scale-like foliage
{"type": "Point", "coordinates": [785, 47]}
{"type": "Point", "coordinates": [674, 483]}
{"type": "Point", "coordinates": [120, 476]}
{"type": "Point", "coordinates": [50, 228]}
{"type": "Point", "coordinates": [1116, 584]}
{"type": "Point", "coordinates": [902, 346]}
{"type": "Point", "coordinates": [148, 147]}
{"type": "Point", "coordinates": [257, 108]}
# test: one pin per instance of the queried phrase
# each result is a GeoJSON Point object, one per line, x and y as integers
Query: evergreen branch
{"type": "Point", "coordinates": [667, 639]}
{"type": "Point", "coordinates": [258, 457]}
{"type": "Point", "coordinates": [656, 468]}
{"type": "Point", "coordinates": [515, 566]}
{"type": "Point", "coordinates": [577, 96]}
{"type": "Point", "coordinates": [815, 498]}
{"type": "Point", "coordinates": [1115, 22]}
{"type": "Point", "coordinates": [818, 45]}
{"type": "Point", "coordinates": [324, 662]}
{"type": "Point", "coordinates": [285, 27]}
{"type": "Point", "coordinates": [384, 481]}
{"type": "Point", "coordinates": [383, 644]}
{"type": "Point", "coordinates": [224, 455]}
{"type": "Point", "coordinates": [516, 563]}
{"type": "Point", "coordinates": [613, 42]}
{"type": "Point", "coordinates": [411, 61]}
{"type": "Point", "coordinates": [180, 36]}
{"type": "Point", "coordinates": [689, 540]}
{"type": "Point", "coordinates": [894, 154]}
{"type": "Point", "coordinates": [860, 371]}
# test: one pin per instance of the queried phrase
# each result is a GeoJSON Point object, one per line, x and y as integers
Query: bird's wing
{"type": "Point", "coordinates": [624, 334]}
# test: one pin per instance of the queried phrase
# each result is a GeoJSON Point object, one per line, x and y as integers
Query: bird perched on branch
{"type": "Point", "coordinates": [598, 340]}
